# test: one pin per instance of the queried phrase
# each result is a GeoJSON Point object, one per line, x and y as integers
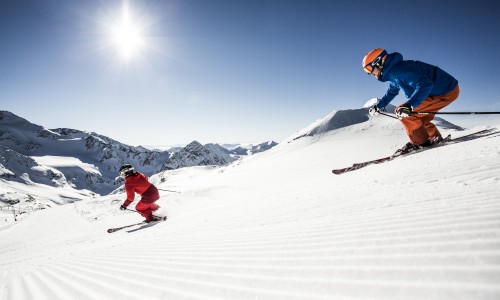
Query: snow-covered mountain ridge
{"type": "Point", "coordinates": [85, 160]}
{"type": "Point", "coordinates": [195, 154]}
{"type": "Point", "coordinates": [34, 141]}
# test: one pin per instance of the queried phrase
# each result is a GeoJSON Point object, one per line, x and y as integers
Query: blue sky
{"type": "Point", "coordinates": [230, 71]}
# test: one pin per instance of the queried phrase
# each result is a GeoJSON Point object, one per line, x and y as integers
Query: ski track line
{"type": "Point", "coordinates": [479, 261]}
{"type": "Point", "coordinates": [478, 256]}
{"type": "Point", "coordinates": [141, 278]}
{"type": "Point", "coordinates": [19, 290]}
{"type": "Point", "coordinates": [448, 233]}
{"type": "Point", "coordinates": [363, 253]}
{"type": "Point", "coordinates": [420, 217]}
{"type": "Point", "coordinates": [232, 283]}
{"type": "Point", "coordinates": [335, 216]}
{"type": "Point", "coordinates": [449, 219]}
{"type": "Point", "coordinates": [324, 246]}
{"type": "Point", "coordinates": [43, 287]}
{"type": "Point", "coordinates": [487, 240]}
{"type": "Point", "coordinates": [464, 224]}
{"type": "Point", "coordinates": [108, 286]}
{"type": "Point", "coordinates": [473, 237]}
{"type": "Point", "coordinates": [467, 229]}
{"type": "Point", "coordinates": [140, 274]}
{"type": "Point", "coordinates": [360, 250]}
{"type": "Point", "coordinates": [226, 280]}
{"type": "Point", "coordinates": [321, 249]}
{"type": "Point", "coordinates": [76, 288]}
{"type": "Point", "coordinates": [129, 287]}
{"type": "Point", "coordinates": [463, 274]}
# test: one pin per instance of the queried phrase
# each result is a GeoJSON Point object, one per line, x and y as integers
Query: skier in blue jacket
{"type": "Point", "coordinates": [427, 87]}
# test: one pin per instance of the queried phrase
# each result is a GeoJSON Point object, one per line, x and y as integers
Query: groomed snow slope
{"type": "Point", "coordinates": [280, 225]}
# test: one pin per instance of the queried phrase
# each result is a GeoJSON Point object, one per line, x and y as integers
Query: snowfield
{"type": "Point", "coordinates": [280, 225]}
{"type": "Point", "coordinates": [65, 162]}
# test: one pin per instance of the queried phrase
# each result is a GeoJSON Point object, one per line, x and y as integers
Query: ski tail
{"type": "Point", "coordinates": [361, 165]}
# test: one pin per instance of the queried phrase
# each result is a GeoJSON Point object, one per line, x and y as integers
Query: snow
{"type": "Point", "coordinates": [4, 171]}
{"type": "Point", "coordinates": [65, 162]}
{"type": "Point", "coordinates": [370, 103]}
{"type": "Point", "coordinates": [280, 225]}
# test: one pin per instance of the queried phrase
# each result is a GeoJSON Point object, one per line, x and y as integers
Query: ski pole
{"type": "Point", "coordinates": [388, 115]}
{"type": "Point", "coordinates": [169, 191]}
{"type": "Point", "coordinates": [457, 113]}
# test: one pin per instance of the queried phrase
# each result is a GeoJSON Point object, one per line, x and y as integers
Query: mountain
{"type": "Point", "coordinates": [87, 161]}
{"type": "Point", "coordinates": [252, 149]}
{"type": "Point", "coordinates": [262, 147]}
{"type": "Point", "coordinates": [240, 151]}
{"type": "Point", "coordinates": [235, 149]}
{"type": "Point", "coordinates": [29, 140]}
{"type": "Point", "coordinates": [195, 154]}
{"type": "Point", "coordinates": [21, 168]}
{"type": "Point", "coordinates": [217, 149]}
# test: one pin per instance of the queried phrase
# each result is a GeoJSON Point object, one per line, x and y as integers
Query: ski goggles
{"type": "Point", "coordinates": [370, 67]}
{"type": "Point", "coordinates": [377, 62]}
{"type": "Point", "coordinates": [125, 172]}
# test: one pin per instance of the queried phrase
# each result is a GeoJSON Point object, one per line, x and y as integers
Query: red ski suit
{"type": "Point", "coordinates": [138, 183]}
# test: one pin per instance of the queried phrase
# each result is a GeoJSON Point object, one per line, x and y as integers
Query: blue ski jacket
{"type": "Point", "coordinates": [417, 79]}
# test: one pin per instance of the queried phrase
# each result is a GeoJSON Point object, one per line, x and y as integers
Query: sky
{"type": "Point", "coordinates": [160, 72]}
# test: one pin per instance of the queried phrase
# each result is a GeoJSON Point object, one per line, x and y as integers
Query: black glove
{"type": "Point", "coordinates": [403, 111]}
{"type": "Point", "coordinates": [374, 111]}
{"type": "Point", "coordinates": [123, 207]}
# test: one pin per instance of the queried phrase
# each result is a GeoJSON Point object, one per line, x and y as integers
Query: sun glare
{"type": "Point", "coordinates": [127, 36]}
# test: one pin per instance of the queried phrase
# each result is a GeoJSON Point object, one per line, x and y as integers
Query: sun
{"type": "Point", "coordinates": [126, 35]}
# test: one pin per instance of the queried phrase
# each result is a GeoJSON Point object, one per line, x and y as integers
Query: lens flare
{"type": "Point", "coordinates": [126, 35]}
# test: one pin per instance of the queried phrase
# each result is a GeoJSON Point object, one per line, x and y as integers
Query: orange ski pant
{"type": "Point", "coordinates": [419, 127]}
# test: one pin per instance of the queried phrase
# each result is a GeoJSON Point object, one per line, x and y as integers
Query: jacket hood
{"type": "Point", "coordinates": [391, 60]}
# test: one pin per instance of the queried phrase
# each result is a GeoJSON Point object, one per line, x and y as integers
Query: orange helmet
{"type": "Point", "coordinates": [374, 58]}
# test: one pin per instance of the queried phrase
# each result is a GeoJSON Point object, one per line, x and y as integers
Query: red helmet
{"type": "Point", "coordinates": [374, 58]}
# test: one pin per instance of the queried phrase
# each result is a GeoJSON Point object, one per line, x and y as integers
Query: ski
{"type": "Point", "coordinates": [111, 230]}
{"type": "Point", "coordinates": [447, 141]}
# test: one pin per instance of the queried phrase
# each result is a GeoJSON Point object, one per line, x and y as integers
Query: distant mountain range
{"type": "Point", "coordinates": [87, 160]}
{"type": "Point", "coordinates": [251, 149]}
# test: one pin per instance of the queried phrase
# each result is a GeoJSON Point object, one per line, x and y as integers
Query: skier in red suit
{"type": "Point", "coordinates": [136, 182]}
